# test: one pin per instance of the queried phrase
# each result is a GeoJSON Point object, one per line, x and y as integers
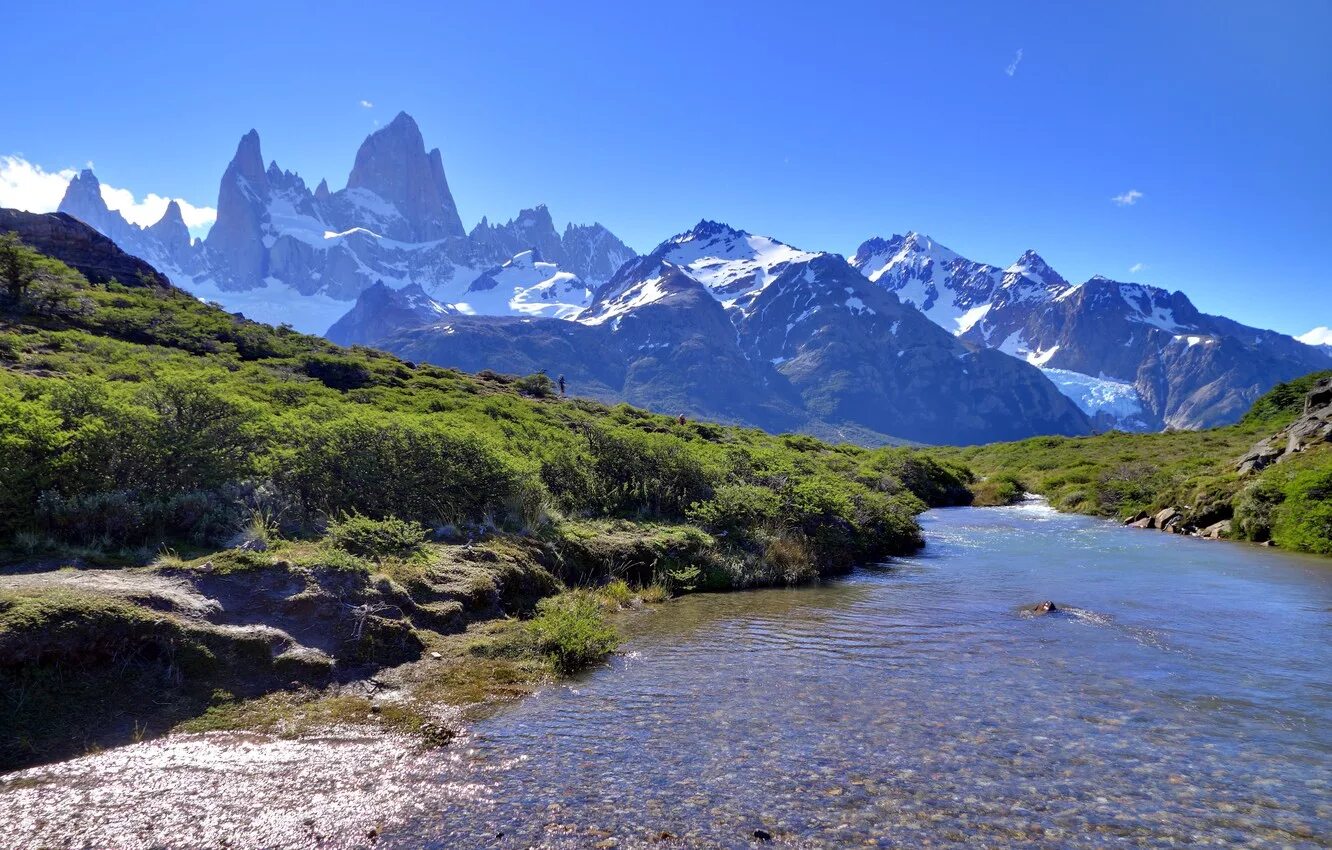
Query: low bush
{"type": "Point", "coordinates": [538, 385]}
{"type": "Point", "coordinates": [571, 629]}
{"type": "Point", "coordinates": [377, 538]}
{"type": "Point", "coordinates": [997, 490]}
{"type": "Point", "coordinates": [1290, 504]}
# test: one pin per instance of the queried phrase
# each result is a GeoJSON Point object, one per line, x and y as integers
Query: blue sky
{"type": "Point", "coordinates": [820, 124]}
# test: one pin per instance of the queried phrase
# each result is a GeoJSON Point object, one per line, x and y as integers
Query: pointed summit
{"type": "Point", "coordinates": [321, 192]}
{"type": "Point", "coordinates": [1033, 267]}
{"type": "Point", "coordinates": [707, 229]}
{"type": "Point", "coordinates": [393, 164]}
{"type": "Point", "coordinates": [173, 235]}
{"type": "Point", "coordinates": [249, 162]}
{"type": "Point", "coordinates": [237, 235]}
{"type": "Point", "coordinates": [83, 199]}
{"type": "Point", "coordinates": [172, 220]}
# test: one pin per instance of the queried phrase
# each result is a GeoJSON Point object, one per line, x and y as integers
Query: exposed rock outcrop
{"type": "Point", "coordinates": [1314, 426]}
{"type": "Point", "coordinates": [80, 246]}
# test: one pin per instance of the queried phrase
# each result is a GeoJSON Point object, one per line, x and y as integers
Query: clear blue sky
{"type": "Point", "coordinates": [818, 123]}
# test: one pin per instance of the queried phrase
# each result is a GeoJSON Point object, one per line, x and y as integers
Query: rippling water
{"type": "Point", "coordinates": [1181, 697]}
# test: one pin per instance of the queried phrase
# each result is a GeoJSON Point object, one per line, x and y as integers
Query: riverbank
{"type": "Point", "coordinates": [1266, 479]}
{"type": "Point", "coordinates": [918, 707]}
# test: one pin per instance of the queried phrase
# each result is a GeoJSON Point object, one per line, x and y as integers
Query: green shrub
{"type": "Point", "coordinates": [997, 490]}
{"type": "Point", "coordinates": [1285, 401]}
{"type": "Point", "coordinates": [736, 509]}
{"type": "Point", "coordinates": [572, 630]}
{"type": "Point", "coordinates": [377, 538]}
{"type": "Point", "coordinates": [1290, 503]}
{"type": "Point", "coordinates": [397, 467]}
{"type": "Point", "coordinates": [538, 385]}
{"type": "Point", "coordinates": [618, 593]}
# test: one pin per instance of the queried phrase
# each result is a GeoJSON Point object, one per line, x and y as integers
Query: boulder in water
{"type": "Point", "coordinates": [1040, 608]}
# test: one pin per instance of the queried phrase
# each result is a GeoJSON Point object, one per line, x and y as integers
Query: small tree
{"type": "Point", "coordinates": [18, 267]}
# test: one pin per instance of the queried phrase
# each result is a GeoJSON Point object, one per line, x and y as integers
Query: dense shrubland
{"type": "Point", "coordinates": [134, 417]}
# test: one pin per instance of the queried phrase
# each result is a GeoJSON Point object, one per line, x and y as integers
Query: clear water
{"type": "Point", "coordinates": [1183, 698]}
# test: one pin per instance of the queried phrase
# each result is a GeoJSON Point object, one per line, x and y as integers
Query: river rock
{"type": "Point", "coordinates": [1166, 519]}
{"type": "Point", "coordinates": [1216, 530]}
{"type": "Point", "coordinates": [1141, 522]}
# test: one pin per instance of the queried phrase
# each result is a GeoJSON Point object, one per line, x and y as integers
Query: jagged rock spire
{"type": "Point", "coordinates": [393, 163]}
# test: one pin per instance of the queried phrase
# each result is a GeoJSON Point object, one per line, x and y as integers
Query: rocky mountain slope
{"type": "Point", "coordinates": [280, 252]}
{"type": "Point", "coordinates": [1133, 356]}
{"type": "Point", "coordinates": [721, 323]}
{"type": "Point", "coordinates": [81, 247]}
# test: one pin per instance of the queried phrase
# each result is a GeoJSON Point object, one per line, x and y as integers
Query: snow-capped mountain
{"type": "Point", "coordinates": [1132, 356]}
{"type": "Point", "coordinates": [526, 285]}
{"type": "Point", "coordinates": [722, 323]}
{"type": "Point", "coordinates": [280, 252]}
{"type": "Point", "coordinates": [381, 311]}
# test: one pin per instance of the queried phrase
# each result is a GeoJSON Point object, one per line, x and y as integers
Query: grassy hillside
{"type": "Point", "coordinates": [369, 506]}
{"type": "Point", "coordinates": [136, 417]}
{"type": "Point", "coordinates": [1119, 475]}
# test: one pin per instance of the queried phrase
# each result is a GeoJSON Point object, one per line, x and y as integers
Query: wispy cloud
{"type": "Point", "coordinates": [1137, 267]}
{"type": "Point", "coordinates": [1012, 66]}
{"type": "Point", "coordinates": [1127, 199]}
{"type": "Point", "coordinates": [27, 186]}
{"type": "Point", "coordinates": [365, 104]}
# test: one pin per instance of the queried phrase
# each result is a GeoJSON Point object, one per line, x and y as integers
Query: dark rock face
{"type": "Point", "coordinates": [858, 355]}
{"type": "Point", "coordinates": [380, 312]}
{"type": "Point", "coordinates": [76, 244]}
{"type": "Point", "coordinates": [235, 245]}
{"type": "Point", "coordinates": [678, 356]}
{"type": "Point", "coordinates": [393, 164]}
{"type": "Point", "coordinates": [1189, 369]}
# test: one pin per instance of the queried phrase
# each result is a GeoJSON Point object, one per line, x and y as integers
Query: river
{"type": "Point", "coordinates": [1181, 696]}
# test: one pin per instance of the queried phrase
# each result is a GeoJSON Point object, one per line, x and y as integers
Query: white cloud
{"type": "Point", "coordinates": [365, 104]}
{"type": "Point", "coordinates": [27, 186]}
{"type": "Point", "coordinates": [1127, 199]}
{"type": "Point", "coordinates": [150, 209]}
{"type": "Point", "coordinates": [1317, 336]}
{"type": "Point", "coordinates": [1012, 66]}
{"type": "Point", "coordinates": [1137, 267]}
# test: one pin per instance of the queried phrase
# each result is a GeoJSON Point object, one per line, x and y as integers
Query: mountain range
{"type": "Point", "coordinates": [906, 341]}
{"type": "Point", "coordinates": [280, 252]}
{"type": "Point", "coordinates": [1134, 356]}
